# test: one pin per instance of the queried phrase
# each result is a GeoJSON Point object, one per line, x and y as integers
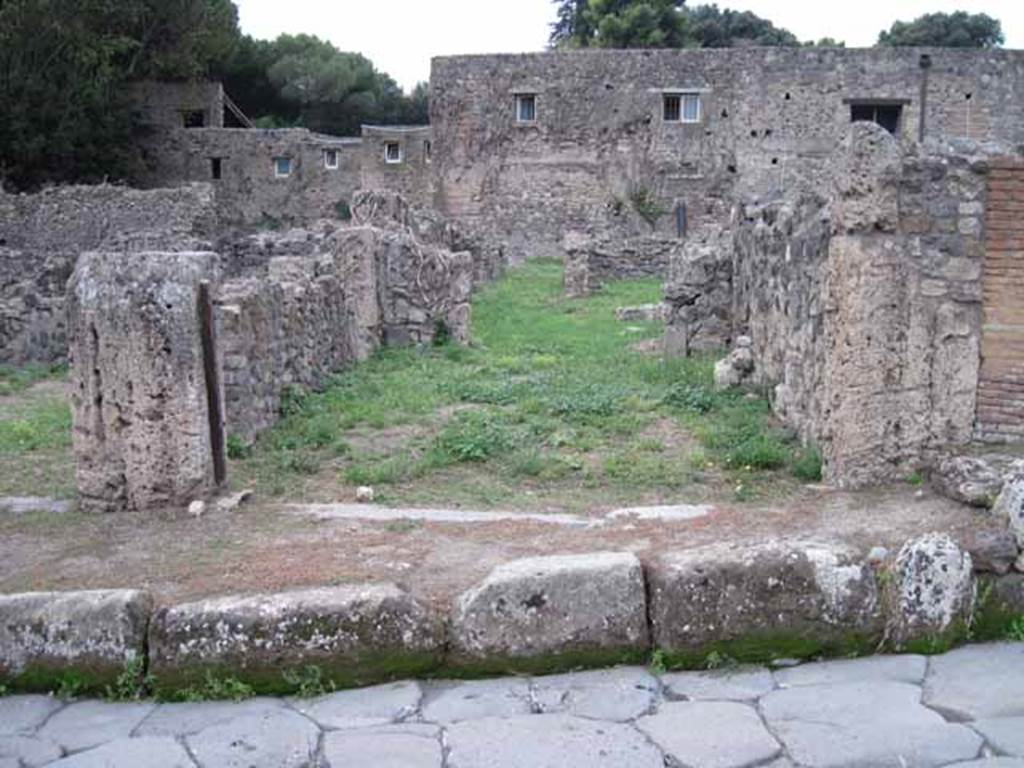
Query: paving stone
{"type": "Point", "coordinates": [991, 762]}
{"type": "Point", "coordinates": [730, 685]}
{"type": "Point", "coordinates": [548, 741]}
{"type": "Point", "coordinates": [711, 734]}
{"type": "Point", "coordinates": [364, 707]}
{"type": "Point", "coordinates": [617, 694]}
{"type": "Point", "coordinates": [32, 751]}
{"type": "Point", "coordinates": [978, 681]}
{"type": "Point", "coordinates": [546, 606]}
{"type": "Point", "coordinates": [396, 746]}
{"type": "Point", "coordinates": [88, 724]}
{"type": "Point", "coordinates": [1005, 734]}
{"type": "Point", "coordinates": [866, 723]}
{"type": "Point", "coordinates": [282, 739]}
{"type": "Point", "coordinates": [896, 669]}
{"type": "Point", "coordinates": [23, 714]}
{"type": "Point", "coordinates": [449, 702]}
{"type": "Point", "coordinates": [9, 762]}
{"type": "Point", "coordinates": [151, 752]}
{"type": "Point", "coordinates": [181, 719]}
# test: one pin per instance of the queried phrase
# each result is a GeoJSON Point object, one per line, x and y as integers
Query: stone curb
{"type": "Point", "coordinates": [752, 604]}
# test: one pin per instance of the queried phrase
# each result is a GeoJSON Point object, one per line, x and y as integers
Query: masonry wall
{"type": "Point", "coordinates": [161, 104]}
{"type": "Point", "coordinates": [771, 118]}
{"type": "Point", "coordinates": [410, 176]}
{"type": "Point", "coordinates": [41, 236]}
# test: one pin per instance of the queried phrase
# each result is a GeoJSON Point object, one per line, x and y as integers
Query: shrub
{"type": "Point", "coordinates": [807, 465]}
{"type": "Point", "coordinates": [475, 436]}
{"type": "Point", "coordinates": [690, 397]}
{"type": "Point", "coordinates": [237, 448]}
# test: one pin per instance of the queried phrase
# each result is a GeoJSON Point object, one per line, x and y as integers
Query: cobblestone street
{"type": "Point", "coordinates": [963, 708]}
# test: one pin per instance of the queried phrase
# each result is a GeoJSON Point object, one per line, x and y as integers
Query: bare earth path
{"type": "Point", "coordinates": [962, 709]}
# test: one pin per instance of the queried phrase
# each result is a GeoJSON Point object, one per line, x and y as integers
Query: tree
{"type": "Point", "coordinates": [571, 30]}
{"type": "Point", "coordinates": [714, 28]}
{"type": "Point", "coordinates": [950, 30]}
{"type": "Point", "coordinates": [636, 23]}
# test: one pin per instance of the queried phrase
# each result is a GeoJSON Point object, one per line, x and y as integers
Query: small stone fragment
{"type": "Point", "coordinates": [235, 500]}
{"type": "Point", "coordinates": [364, 494]}
{"type": "Point", "coordinates": [878, 555]}
{"type": "Point", "coordinates": [968, 479]}
{"type": "Point", "coordinates": [197, 508]}
{"type": "Point", "coordinates": [1010, 507]}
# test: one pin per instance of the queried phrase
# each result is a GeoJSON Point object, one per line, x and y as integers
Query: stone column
{"type": "Point", "coordinates": [145, 390]}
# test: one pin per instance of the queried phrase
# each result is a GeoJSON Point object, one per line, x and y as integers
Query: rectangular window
{"type": "Point", "coordinates": [282, 167]}
{"type": "Point", "coordinates": [193, 118]}
{"type": "Point", "coordinates": [331, 159]}
{"type": "Point", "coordinates": [215, 168]}
{"type": "Point", "coordinates": [886, 115]}
{"type": "Point", "coordinates": [526, 108]}
{"type": "Point", "coordinates": [681, 107]}
{"type": "Point", "coordinates": [392, 152]}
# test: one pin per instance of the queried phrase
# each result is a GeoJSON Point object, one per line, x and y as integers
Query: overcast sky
{"type": "Point", "coordinates": [400, 36]}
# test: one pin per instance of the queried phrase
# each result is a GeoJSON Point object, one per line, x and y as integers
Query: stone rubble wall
{"type": "Point", "coordinates": [748, 603]}
{"type": "Point", "coordinates": [698, 293]}
{"type": "Point", "coordinates": [592, 261]}
{"type": "Point", "coordinates": [41, 236]}
{"type": "Point", "coordinates": [771, 120]}
{"type": "Point", "coordinates": [411, 177]}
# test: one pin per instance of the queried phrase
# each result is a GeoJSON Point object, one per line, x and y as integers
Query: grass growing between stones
{"type": "Point", "coordinates": [549, 407]}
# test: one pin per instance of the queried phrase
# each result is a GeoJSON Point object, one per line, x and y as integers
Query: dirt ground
{"type": "Point", "coordinates": [270, 546]}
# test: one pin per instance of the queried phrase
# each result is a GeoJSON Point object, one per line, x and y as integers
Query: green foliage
{"type": "Point", "coordinates": [45, 426]}
{"type": "Point", "coordinates": [658, 665]}
{"type": "Point", "coordinates": [1015, 631]}
{"type": "Point", "coordinates": [237, 448]}
{"type": "Point", "coordinates": [343, 210]}
{"type": "Point", "coordinates": [69, 686]}
{"type": "Point", "coordinates": [132, 684]}
{"type": "Point", "coordinates": [637, 23]}
{"type": "Point", "coordinates": [718, 660]}
{"type": "Point", "coordinates": [915, 479]}
{"type": "Point", "coordinates": [309, 681]}
{"type": "Point", "coordinates": [807, 464]}
{"type": "Point", "coordinates": [217, 688]}
{"type": "Point", "coordinates": [950, 30]}
{"type": "Point", "coordinates": [711, 27]}
{"type": "Point", "coordinates": [4, 691]}
{"type": "Point", "coordinates": [646, 205]}
{"type": "Point", "coordinates": [13, 380]}
{"type": "Point", "coordinates": [690, 397]}
{"type": "Point", "coordinates": [476, 436]}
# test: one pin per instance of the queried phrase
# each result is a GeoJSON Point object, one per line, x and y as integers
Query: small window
{"type": "Point", "coordinates": [392, 152]}
{"type": "Point", "coordinates": [426, 151]}
{"type": "Point", "coordinates": [886, 115]}
{"type": "Point", "coordinates": [282, 167]}
{"type": "Point", "coordinates": [331, 159]}
{"type": "Point", "coordinates": [681, 107]}
{"type": "Point", "coordinates": [193, 118]}
{"type": "Point", "coordinates": [526, 108]}
{"type": "Point", "coordinates": [215, 168]}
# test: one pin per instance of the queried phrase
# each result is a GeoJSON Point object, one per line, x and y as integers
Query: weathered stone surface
{"type": "Point", "coordinates": [646, 313]}
{"type": "Point", "coordinates": [183, 718]}
{"type": "Point", "coordinates": [152, 752]}
{"type": "Point", "coordinates": [31, 751]}
{"type": "Point", "coordinates": [94, 633]}
{"type": "Point", "coordinates": [968, 479]}
{"type": "Point", "coordinates": [398, 746]}
{"type": "Point", "coordinates": [894, 669]}
{"type": "Point", "coordinates": [548, 741]}
{"type": "Point", "coordinates": [782, 593]}
{"type": "Point", "coordinates": [1004, 734]}
{"type": "Point", "coordinates": [992, 551]}
{"type": "Point", "coordinates": [933, 580]}
{"type": "Point", "coordinates": [593, 258]}
{"type": "Point", "coordinates": [698, 293]}
{"type": "Point", "coordinates": [980, 681]}
{"type": "Point", "coordinates": [142, 433]}
{"type": "Point", "coordinates": [357, 634]}
{"type": "Point", "coordinates": [869, 167]}
{"type": "Point", "coordinates": [364, 707]}
{"type": "Point", "coordinates": [735, 369]}
{"type": "Point", "coordinates": [449, 702]}
{"type": "Point", "coordinates": [991, 762]}
{"type": "Point", "coordinates": [20, 505]}
{"type": "Point", "coordinates": [712, 734]}
{"type": "Point", "coordinates": [584, 605]}
{"type": "Point", "coordinates": [866, 723]}
{"type": "Point", "coordinates": [88, 724]}
{"type": "Point", "coordinates": [619, 694]}
{"type": "Point", "coordinates": [274, 740]}
{"type": "Point", "coordinates": [726, 685]}
{"type": "Point", "coordinates": [1009, 506]}
{"type": "Point", "coordinates": [23, 714]}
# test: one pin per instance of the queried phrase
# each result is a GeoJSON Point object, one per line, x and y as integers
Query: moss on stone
{"type": "Point", "coordinates": [466, 668]}
{"type": "Point", "coordinates": [764, 648]}
{"type": "Point", "coordinates": [49, 678]}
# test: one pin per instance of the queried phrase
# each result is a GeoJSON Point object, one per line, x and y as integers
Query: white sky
{"type": "Point", "coordinates": [400, 36]}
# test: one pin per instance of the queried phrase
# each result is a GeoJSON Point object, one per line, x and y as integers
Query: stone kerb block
{"type": "Point", "coordinates": [761, 601]}
{"type": "Point", "coordinates": [357, 634]}
{"type": "Point", "coordinates": [142, 380]}
{"type": "Point", "coordinates": [90, 636]}
{"type": "Point", "coordinates": [552, 611]}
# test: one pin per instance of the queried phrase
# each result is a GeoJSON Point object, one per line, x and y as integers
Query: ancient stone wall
{"type": "Point", "coordinates": [161, 104]}
{"type": "Point", "coordinates": [266, 177]}
{"type": "Point", "coordinates": [864, 306]}
{"type": "Point", "coordinates": [403, 168]}
{"type": "Point", "coordinates": [769, 121]}
{"type": "Point", "coordinates": [41, 236]}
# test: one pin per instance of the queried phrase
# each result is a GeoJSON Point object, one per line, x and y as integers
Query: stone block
{"type": "Point", "coordinates": [357, 634]}
{"type": "Point", "coordinates": [141, 403]}
{"type": "Point", "coordinates": [1009, 506]}
{"type": "Point", "coordinates": [967, 479]}
{"type": "Point", "coordinates": [760, 602]}
{"type": "Point", "coordinates": [575, 609]}
{"type": "Point", "coordinates": [85, 636]}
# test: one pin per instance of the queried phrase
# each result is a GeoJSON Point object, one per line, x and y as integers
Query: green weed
{"type": "Point", "coordinates": [309, 682]}
{"type": "Point", "coordinates": [132, 684]}
{"type": "Point", "coordinates": [658, 664]}
{"type": "Point", "coordinates": [217, 688]}
{"type": "Point", "coordinates": [807, 465]}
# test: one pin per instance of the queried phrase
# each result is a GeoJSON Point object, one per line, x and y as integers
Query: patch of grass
{"type": "Point", "coordinates": [40, 426]}
{"type": "Point", "coordinates": [14, 380]}
{"type": "Point", "coordinates": [476, 436]}
{"type": "Point", "coordinates": [217, 688]}
{"type": "Point", "coordinates": [807, 464]}
{"type": "Point", "coordinates": [915, 479]}
{"type": "Point", "coordinates": [309, 682]}
{"type": "Point", "coordinates": [132, 684]}
{"type": "Point", "coordinates": [237, 448]}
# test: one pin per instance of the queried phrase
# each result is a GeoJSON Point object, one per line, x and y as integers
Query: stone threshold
{"type": "Point", "coordinates": [781, 599]}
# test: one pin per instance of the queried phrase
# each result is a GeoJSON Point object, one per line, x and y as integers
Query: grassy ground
{"type": "Point", "coordinates": [549, 408]}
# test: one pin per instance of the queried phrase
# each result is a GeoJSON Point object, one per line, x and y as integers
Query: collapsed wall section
{"type": "Point", "coordinates": [41, 236]}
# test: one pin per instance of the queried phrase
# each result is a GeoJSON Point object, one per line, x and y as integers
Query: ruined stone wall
{"type": "Point", "coordinates": [864, 308]}
{"type": "Point", "coordinates": [409, 175]}
{"type": "Point", "coordinates": [161, 104]}
{"type": "Point", "coordinates": [41, 236]}
{"type": "Point", "coordinates": [592, 261]}
{"type": "Point", "coordinates": [770, 121]}
{"type": "Point", "coordinates": [250, 189]}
